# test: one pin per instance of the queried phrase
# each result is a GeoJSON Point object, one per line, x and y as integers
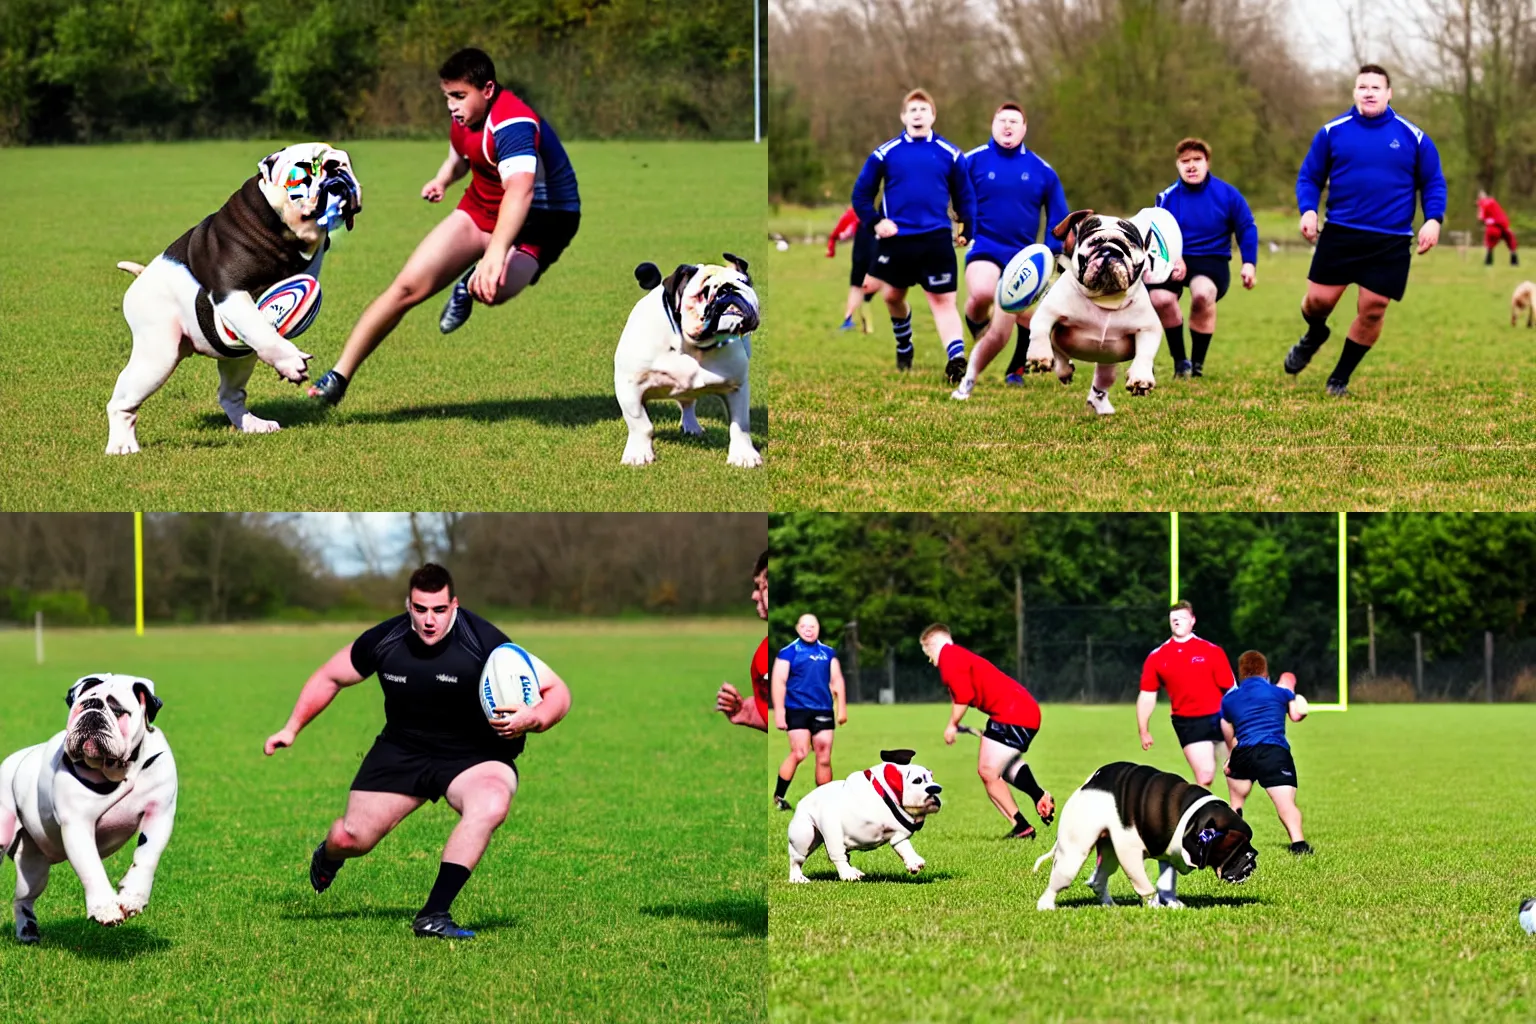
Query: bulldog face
{"type": "Point", "coordinates": [1107, 254]}
{"type": "Point", "coordinates": [312, 188]}
{"type": "Point", "coordinates": [713, 303]}
{"type": "Point", "coordinates": [108, 716]}
{"type": "Point", "coordinates": [1229, 853]}
{"type": "Point", "coordinates": [911, 783]}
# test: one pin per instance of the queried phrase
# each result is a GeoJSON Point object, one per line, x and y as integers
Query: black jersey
{"type": "Point", "coordinates": [431, 700]}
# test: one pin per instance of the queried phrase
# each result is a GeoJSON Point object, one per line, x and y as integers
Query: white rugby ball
{"type": "Point", "coordinates": [290, 306]}
{"type": "Point", "coordinates": [1163, 241]}
{"type": "Point", "coordinates": [508, 678]}
{"type": "Point", "coordinates": [1025, 278]}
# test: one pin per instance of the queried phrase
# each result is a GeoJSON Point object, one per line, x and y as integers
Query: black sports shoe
{"type": "Point", "coordinates": [1023, 830]}
{"type": "Point", "coordinates": [330, 389]}
{"type": "Point", "coordinates": [439, 926]}
{"type": "Point", "coordinates": [321, 876]}
{"type": "Point", "coordinates": [1182, 368]}
{"type": "Point", "coordinates": [954, 370]}
{"type": "Point", "coordinates": [1338, 388]}
{"type": "Point", "coordinates": [904, 360]}
{"type": "Point", "coordinates": [1197, 369]}
{"type": "Point", "coordinates": [1514, 259]}
{"type": "Point", "coordinates": [780, 804]}
{"type": "Point", "coordinates": [1302, 352]}
{"type": "Point", "coordinates": [1301, 848]}
{"type": "Point", "coordinates": [460, 304]}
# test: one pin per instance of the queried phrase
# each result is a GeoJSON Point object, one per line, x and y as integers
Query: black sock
{"type": "Point", "coordinates": [1175, 336]}
{"type": "Point", "coordinates": [1024, 780]}
{"type": "Point", "coordinates": [1317, 329]}
{"type": "Point", "coordinates": [1019, 820]}
{"type": "Point", "coordinates": [976, 326]}
{"type": "Point", "coordinates": [327, 865]}
{"type": "Point", "coordinates": [1348, 360]}
{"type": "Point", "coordinates": [450, 879]}
{"type": "Point", "coordinates": [1020, 347]}
{"type": "Point", "coordinates": [780, 787]}
{"type": "Point", "coordinates": [1200, 345]}
{"type": "Point", "coordinates": [902, 326]}
{"type": "Point", "coordinates": [1488, 259]}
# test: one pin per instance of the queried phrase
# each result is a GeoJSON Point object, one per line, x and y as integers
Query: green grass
{"type": "Point", "coordinates": [514, 411]}
{"type": "Point", "coordinates": [626, 885]}
{"type": "Point", "coordinates": [1420, 817]}
{"type": "Point", "coordinates": [1441, 415]}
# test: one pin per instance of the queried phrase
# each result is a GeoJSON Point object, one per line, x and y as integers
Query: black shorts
{"type": "Point", "coordinates": [1015, 736]}
{"type": "Point", "coordinates": [1217, 268]}
{"type": "Point", "coordinates": [863, 253]}
{"type": "Point", "coordinates": [390, 767]}
{"type": "Point", "coordinates": [1198, 728]}
{"type": "Point", "coordinates": [926, 260]}
{"type": "Point", "coordinates": [1369, 259]}
{"type": "Point", "coordinates": [813, 719]}
{"type": "Point", "coordinates": [551, 231]}
{"type": "Point", "coordinates": [1268, 764]}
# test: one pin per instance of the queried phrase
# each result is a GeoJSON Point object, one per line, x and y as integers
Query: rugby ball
{"type": "Point", "coordinates": [508, 678]}
{"type": "Point", "coordinates": [290, 306]}
{"type": "Point", "coordinates": [1025, 278]}
{"type": "Point", "coordinates": [1163, 241]}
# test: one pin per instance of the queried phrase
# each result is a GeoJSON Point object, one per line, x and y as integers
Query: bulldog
{"type": "Point", "coordinates": [200, 295]}
{"type": "Point", "coordinates": [1098, 309]}
{"type": "Point", "coordinates": [691, 335]}
{"type": "Point", "coordinates": [1132, 813]}
{"type": "Point", "coordinates": [883, 804]}
{"type": "Point", "coordinates": [82, 794]}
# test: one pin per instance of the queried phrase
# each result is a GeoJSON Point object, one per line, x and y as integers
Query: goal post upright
{"type": "Point", "coordinates": [138, 573]}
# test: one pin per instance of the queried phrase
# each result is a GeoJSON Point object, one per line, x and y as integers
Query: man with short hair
{"type": "Point", "coordinates": [436, 741]}
{"type": "Point", "coordinates": [1253, 715]}
{"type": "Point", "coordinates": [751, 713]}
{"type": "Point", "coordinates": [1376, 165]}
{"type": "Point", "coordinates": [1012, 186]}
{"type": "Point", "coordinates": [1209, 212]}
{"type": "Point", "coordinates": [919, 174]}
{"type": "Point", "coordinates": [1013, 721]}
{"type": "Point", "coordinates": [809, 702]}
{"type": "Point", "coordinates": [1495, 228]}
{"type": "Point", "coordinates": [1195, 673]}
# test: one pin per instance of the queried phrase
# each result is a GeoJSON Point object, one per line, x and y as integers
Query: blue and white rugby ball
{"type": "Point", "coordinates": [508, 678]}
{"type": "Point", "coordinates": [1163, 240]}
{"type": "Point", "coordinates": [291, 306]}
{"type": "Point", "coordinates": [1025, 278]}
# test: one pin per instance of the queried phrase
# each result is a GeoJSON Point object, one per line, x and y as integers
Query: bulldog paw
{"type": "Point", "coordinates": [849, 873]}
{"type": "Point", "coordinates": [293, 368]}
{"type": "Point", "coordinates": [690, 423]}
{"type": "Point", "coordinates": [797, 877]}
{"type": "Point", "coordinates": [108, 915]}
{"type": "Point", "coordinates": [1039, 364]}
{"type": "Point", "coordinates": [641, 454]}
{"type": "Point", "coordinates": [1046, 902]}
{"type": "Point", "coordinates": [122, 446]}
{"type": "Point", "coordinates": [1139, 384]}
{"type": "Point", "coordinates": [746, 457]}
{"type": "Point", "coordinates": [1065, 371]}
{"type": "Point", "coordinates": [914, 866]}
{"type": "Point", "coordinates": [252, 424]}
{"type": "Point", "coordinates": [132, 904]}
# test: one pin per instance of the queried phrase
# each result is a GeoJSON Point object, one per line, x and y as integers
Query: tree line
{"type": "Point", "coordinates": [103, 70]}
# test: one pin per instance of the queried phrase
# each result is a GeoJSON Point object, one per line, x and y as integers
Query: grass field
{"type": "Point", "coordinates": [514, 411]}
{"type": "Point", "coordinates": [1440, 416]}
{"type": "Point", "coordinates": [626, 885]}
{"type": "Point", "coordinates": [1422, 824]}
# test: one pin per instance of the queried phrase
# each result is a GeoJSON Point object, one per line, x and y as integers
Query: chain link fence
{"type": "Point", "coordinates": [1387, 664]}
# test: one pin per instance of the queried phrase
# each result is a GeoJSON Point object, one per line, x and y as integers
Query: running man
{"type": "Point", "coordinates": [1253, 715]}
{"type": "Point", "coordinates": [861, 287]}
{"type": "Point", "coordinates": [1013, 722]}
{"type": "Point", "coordinates": [436, 740]}
{"type": "Point", "coordinates": [1376, 167]}
{"type": "Point", "coordinates": [1209, 212]}
{"type": "Point", "coordinates": [921, 174]}
{"type": "Point", "coordinates": [751, 713]}
{"type": "Point", "coordinates": [1495, 228]}
{"type": "Point", "coordinates": [808, 697]}
{"type": "Point", "coordinates": [1195, 673]}
{"type": "Point", "coordinates": [1012, 186]}
{"type": "Point", "coordinates": [517, 216]}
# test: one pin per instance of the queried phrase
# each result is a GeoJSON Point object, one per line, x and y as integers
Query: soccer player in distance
{"type": "Point", "coordinates": [919, 174]}
{"type": "Point", "coordinates": [1012, 185]}
{"type": "Point", "coordinates": [517, 216]}
{"type": "Point", "coordinates": [1495, 228]}
{"type": "Point", "coordinates": [436, 741]}
{"type": "Point", "coordinates": [1209, 212]}
{"type": "Point", "coordinates": [1376, 166]}
{"type": "Point", "coordinates": [1013, 722]}
{"type": "Point", "coordinates": [1195, 673]}
{"type": "Point", "coordinates": [861, 287]}
{"type": "Point", "coordinates": [752, 713]}
{"type": "Point", "coordinates": [1253, 715]}
{"type": "Point", "coordinates": [809, 702]}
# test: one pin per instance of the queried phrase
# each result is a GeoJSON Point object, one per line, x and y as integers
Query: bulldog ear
{"type": "Point", "coordinates": [674, 285]}
{"type": "Point", "coordinates": [268, 166]}
{"type": "Point", "coordinates": [737, 262]}
{"type": "Point", "coordinates": [80, 686]}
{"type": "Point", "coordinates": [145, 691]}
{"type": "Point", "coordinates": [648, 275]}
{"type": "Point", "coordinates": [1065, 232]}
{"type": "Point", "coordinates": [898, 756]}
{"type": "Point", "coordinates": [1133, 233]}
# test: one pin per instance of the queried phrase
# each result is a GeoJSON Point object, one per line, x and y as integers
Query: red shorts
{"type": "Point", "coordinates": [1493, 233]}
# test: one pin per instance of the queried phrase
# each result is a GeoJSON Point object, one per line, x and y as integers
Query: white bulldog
{"type": "Point", "coordinates": [83, 793]}
{"type": "Point", "coordinates": [868, 809]}
{"type": "Point", "coordinates": [691, 335]}
{"type": "Point", "coordinates": [1098, 309]}
{"type": "Point", "coordinates": [200, 295]}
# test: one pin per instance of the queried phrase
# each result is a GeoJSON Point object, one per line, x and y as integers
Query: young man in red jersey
{"type": "Point", "coordinates": [751, 713]}
{"type": "Point", "coordinates": [1013, 722]}
{"type": "Point", "coordinates": [1197, 675]}
{"type": "Point", "coordinates": [517, 216]}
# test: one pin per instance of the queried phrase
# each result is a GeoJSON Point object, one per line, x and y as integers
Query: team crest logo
{"type": "Point", "coordinates": [1394, 144]}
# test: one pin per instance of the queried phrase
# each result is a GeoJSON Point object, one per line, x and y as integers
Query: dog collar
{"type": "Point", "coordinates": [1183, 827]}
{"type": "Point", "coordinates": [903, 819]}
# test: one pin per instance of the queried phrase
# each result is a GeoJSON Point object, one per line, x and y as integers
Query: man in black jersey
{"type": "Point", "coordinates": [436, 740]}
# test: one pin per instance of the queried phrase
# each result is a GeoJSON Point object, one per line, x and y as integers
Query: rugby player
{"type": "Point", "coordinates": [436, 741]}
{"type": "Point", "coordinates": [921, 174]}
{"type": "Point", "coordinates": [808, 696]}
{"type": "Point", "coordinates": [1013, 722]}
{"type": "Point", "coordinates": [861, 286]}
{"type": "Point", "coordinates": [1209, 212]}
{"type": "Point", "coordinates": [1495, 228]}
{"type": "Point", "coordinates": [517, 216]}
{"type": "Point", "coordinates": [1195, 673]}
{"type": "Point", "coordinates": [1012, 186]}
{"type": "Point", "coordinates": [1253, 715]}
{"type": "Point", "coordinates": [751, 713]}
{"type": "Point", "coordinates": [1376, 167]}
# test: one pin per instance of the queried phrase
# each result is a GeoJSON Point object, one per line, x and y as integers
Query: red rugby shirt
{"type": "Point", "coordinates": [972, 679]}
{"type": "Point", "coordinates": [1195, 673]}
{"type": "Point", "coordinates": [762, 692]}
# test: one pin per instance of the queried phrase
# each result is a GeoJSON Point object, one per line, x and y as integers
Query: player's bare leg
{"type": "Point", "coordinates": [1202, 761]}
{"type": "Point", "coordinates": [821, 744]}
{"type": "Point", "coordinates": [946, 318]}
{"type": "Point", "coordinates": [994, 339]}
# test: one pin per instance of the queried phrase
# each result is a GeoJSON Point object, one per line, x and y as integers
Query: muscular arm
{"type": "Point", "coordinates": [1146, 700]}
{"type": "Point", "coordinates": [453, 168]}
{"type": "Point", "coordinates": [839, 693]}
{"type": "Point", "coordinates": [321, 688]}
{"type": "Point", "coordinates": [779, 683]}
{"type": "Point", "coordinates": [516, 201]}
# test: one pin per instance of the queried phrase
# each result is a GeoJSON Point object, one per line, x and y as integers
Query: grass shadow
{"type": "Point", "coordinates": [743, 917]}
{"type": "Point", "coordinates": [899, 878]}
{"type": "Point", "coordinates": [402, 914]}
{"type": "Point", "coordinates": [90, 941]}
{"type": "Point", "coordinates": [1190, 902]}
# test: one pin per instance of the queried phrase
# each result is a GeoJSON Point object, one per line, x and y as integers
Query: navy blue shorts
{"type": "Point", "coordinates": [1015, 736]}
{"type": "Point", "coordinates": [1369, 259]}
{"type": "Point", "coordinates": [1217, 268]}
{"type": "Point", "coordinates": [926, 260]}
{"type": "Point", "coordinates": [863, 254]}
{"type": "Point", "coordinates": [988, 251]}
{"type": "Point", "coordinates": [1268, 764]}
{"type": "Point", "coordinates": [813, 719]}
{"type": "Point", "coordinates": [1198, 729]}
{"type": "Point", "coordinates": [391, 767]}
